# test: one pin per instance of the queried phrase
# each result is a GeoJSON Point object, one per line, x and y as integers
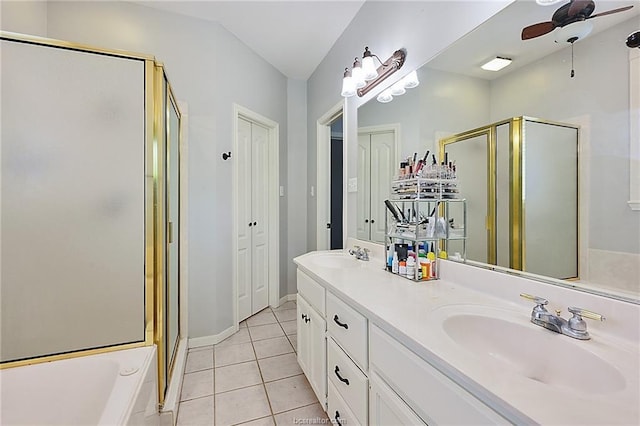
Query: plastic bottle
{"type": "Point", "coordinates": [394, 263]}
{"type": "Point", "coordinates": [402, 267]}
{"type": "Point", "coordinates": [411, 267]}
{"type": "Point", "coordinates": [390, 253]}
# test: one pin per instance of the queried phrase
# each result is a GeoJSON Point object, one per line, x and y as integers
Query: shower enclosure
{"type": "Point", "coordinates": [89, 203]}
{"type": "Point", "coordinates": [520, 179]}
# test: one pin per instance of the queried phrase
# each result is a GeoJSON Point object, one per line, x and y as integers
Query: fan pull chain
{"type": "Point", "coordinates": [573, 72]}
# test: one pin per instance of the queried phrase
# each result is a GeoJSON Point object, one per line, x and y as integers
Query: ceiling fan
{"type": "Point", "coordinates": [574, 11]}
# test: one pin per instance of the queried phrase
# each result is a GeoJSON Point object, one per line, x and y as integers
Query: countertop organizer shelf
{"type": "Point", "coordinates": [424, 220]}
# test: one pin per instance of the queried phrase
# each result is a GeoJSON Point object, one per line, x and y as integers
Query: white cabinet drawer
{"type": "Point", "coordinates": [348, 380]}
{"type": "Point", "coordinates": [432, 395]}
{"type": "Point", "coordinates": [312, 291]}
{"type": "Point", "coordinates": [349, 329]}
{"type": "Point", "coordinates": [338, 410]}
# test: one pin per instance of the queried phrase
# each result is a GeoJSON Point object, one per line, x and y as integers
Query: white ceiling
{"type": "Point", "coordinates": [293, 36]}
{"type": "Point", "coordinates": [500, 36]}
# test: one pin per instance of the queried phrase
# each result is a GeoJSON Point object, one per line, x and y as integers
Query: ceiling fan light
{"type": "Point", "coordinates": [547, 2]}
{"type": "Point", "coordinates": [496, 64]}
{"type": "Point", "coordinates": [385, 96]}
{"type": "Point", "coordinates": [411, 80]}
{"type": "Point", "coordinates": [574, 31]}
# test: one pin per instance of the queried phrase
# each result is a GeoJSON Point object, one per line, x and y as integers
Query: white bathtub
{"type": "Point", "coordinates": [115, 388]}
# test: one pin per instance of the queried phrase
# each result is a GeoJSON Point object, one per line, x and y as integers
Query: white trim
{"type": "Point", "coordinates": [184, 219]}
{"type": "Point", "coordinates": [274, 205]}
{"type": "Point", "coordinates": [634, 130]}
{"type": "Point", "coordinates": [198, 342]}
{"type": "Point", "coordinates": [172, 398]}
{"type": "Point", "coordinates": [323, 173]}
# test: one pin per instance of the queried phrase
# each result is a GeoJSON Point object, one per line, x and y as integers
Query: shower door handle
{"type": "Point", "coordinates": [170, 232]}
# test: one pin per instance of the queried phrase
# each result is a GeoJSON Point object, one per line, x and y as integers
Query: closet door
{"type": "Point", "coordinates": [253, 230]}
{"type": "Point", "coordinates": [364, 186]}
{"type": "Point", "coordinates": [381, 173]}
{"type": "Point", "coordinates": [259, 214]}
{"type": "Point", "coordinates": [244, 219]}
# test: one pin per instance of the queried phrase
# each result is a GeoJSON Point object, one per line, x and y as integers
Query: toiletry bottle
{"type": "Point", "coordinates": [390, 253]}
{"type": "Point", "coordinates": [411, 267]}
{"type": "Point", "coordinates": [402, 267]}
{"type": "Point", "coordinates": [394, 263]}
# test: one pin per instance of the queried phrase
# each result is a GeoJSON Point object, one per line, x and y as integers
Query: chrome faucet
{"type": "Point", "coordinates": [360, 253]}
{"type": "Point", "coordinates": [574, 327]}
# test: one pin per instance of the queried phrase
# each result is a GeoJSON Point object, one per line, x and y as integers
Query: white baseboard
{"type": "Point", "coordinates": [196, 342]}
{"type": "Point", "coordinates": [287, 298]}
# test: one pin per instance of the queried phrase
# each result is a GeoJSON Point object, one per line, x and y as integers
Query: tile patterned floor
{"type": "Point", "coordinates": [251, 378]}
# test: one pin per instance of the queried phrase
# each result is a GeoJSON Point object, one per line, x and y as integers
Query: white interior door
{"type": "Point", "coordinates": [253, 228]}
{"type": "Point", "coordinates": [244, 219]}
{"type": "Point", "coordinates": [382, 158]}
{"type": "Point", "coordinates": [259, 214]}
{"type": "Point", "coordinates": [362, 210]}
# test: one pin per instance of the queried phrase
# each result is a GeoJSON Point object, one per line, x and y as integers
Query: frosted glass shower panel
{"type": "Point", "coordinates": [73, 200]}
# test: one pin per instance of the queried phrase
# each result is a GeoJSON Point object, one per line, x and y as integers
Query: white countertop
{"type": "Point", "coordinates": [413, 313]}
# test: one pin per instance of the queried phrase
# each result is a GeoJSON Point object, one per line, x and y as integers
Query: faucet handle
{"type": "Point", "coordinates": [537, 300]}
{"type": "Point", "coordinates": [579, 312]}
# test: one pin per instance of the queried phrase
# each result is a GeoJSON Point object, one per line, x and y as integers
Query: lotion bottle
{"type": "Point", "coordinates": [395, 263]}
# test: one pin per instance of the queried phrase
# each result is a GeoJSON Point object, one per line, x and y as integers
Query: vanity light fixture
{"type": "Point", "coordinates": [400, 87]}
{"type": "Point", "coordinates": [348, 85]}
{"type": "Point", "coordinates": [385, 97]}
{"type": "Point", "coordinates": [496, 64]}
{"type": "Point", "coordinates": [371, 77]}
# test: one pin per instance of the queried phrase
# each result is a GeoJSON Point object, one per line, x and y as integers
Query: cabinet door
{"type": "Point", "coordinates": [303, 335]}
{"type": "Point", "coordinates": [386, 408]}
{"type": "Point", "coordinates": [317, 376]}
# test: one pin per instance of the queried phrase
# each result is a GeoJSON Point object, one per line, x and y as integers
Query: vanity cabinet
{"type": "Point", "coordinates": [434, 397]}
{"type": "Point", "coordinates": [311, 327]}
{"type": "Point", "coordinates": [386, 408]}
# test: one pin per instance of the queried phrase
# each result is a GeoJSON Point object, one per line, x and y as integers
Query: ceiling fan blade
{"type": "Point", "coordinates": [609, 12]}
{"type": "Point", "coordinates": [536, 30]}
{"type": "Point", "coordinates": [577, 6]}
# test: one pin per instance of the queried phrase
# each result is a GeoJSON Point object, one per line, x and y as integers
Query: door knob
{"type": "Point", "coordinates": [250, 224]}
{"type": "Point", "coordinates": [373, 221]}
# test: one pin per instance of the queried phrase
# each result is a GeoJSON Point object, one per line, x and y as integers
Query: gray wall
{"type": "Point", "coordinates": [209, 69]}
{"type": "Point", "coordinates": [422, 27]}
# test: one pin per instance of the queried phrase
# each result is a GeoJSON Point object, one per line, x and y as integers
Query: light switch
{"type": "Point", "coordinates": [352, 185]}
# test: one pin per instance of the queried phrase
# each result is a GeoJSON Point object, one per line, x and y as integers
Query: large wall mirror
{"type": "Point", "coordinates": [456, 96]}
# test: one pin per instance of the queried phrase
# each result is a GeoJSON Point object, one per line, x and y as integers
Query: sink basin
{"type": "Point", "coordinates": [336, 260]}
{"type": "Point", "coordinates": [533, 352]}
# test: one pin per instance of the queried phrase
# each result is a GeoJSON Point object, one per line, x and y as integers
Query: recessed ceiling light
{"type": "Point", "coordinates": [496, 64]}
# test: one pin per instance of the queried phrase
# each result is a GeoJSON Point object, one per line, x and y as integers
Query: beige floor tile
{"type": "Point", "coordinates": [289, 327]}
{"type": "Point", "coordinates": [289, 393]}
{"type": "Point", "coordinates": [279, 367]}
{"type": "Point", "coordinates": [241, 336]}
{"type": "Point", "coordinates": [237, 376]}
{"type": "Point", "coordinates": [196, 385]}
{"type": "Point", "coordinates": [199, 360]}
{"type": "Point", "coordinates": [286, 315]}
{"type": "Point", "coordinates": [286, 305]}
{"type": "Point", "coordinates": [263, 317]}
{"type": "Point", "coordinates": [243, 324]}
{"type": "Point", "coordinates": [265, 421]}
{"type": "Point", "coordinates": [233, 354]}
{"type": "Point", "coordinates": [266, 331]}
{"type": "Point", "coordinates": [294, 341]}
{"type": "Point", "coordinates": [309, 415]}
{"type": "Point", "coordinates": [272, 347]}
{"type": "Point", "coordinates": [241, 405]}
{"type": "Point", "coordinates": [196, 412]}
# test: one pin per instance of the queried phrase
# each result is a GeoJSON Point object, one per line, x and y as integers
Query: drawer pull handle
{"type": "Point", "coordinates": [341, 324]}
{"type": "Point", "coordinates": [337, 417]}
{"type": "Point", "coordinates": [343, 380]}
